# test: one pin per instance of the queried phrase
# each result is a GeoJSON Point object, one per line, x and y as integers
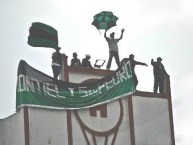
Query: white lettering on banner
{"type": "Point", "coordinates": [29, 85]}
{"type": "Point", "coordinates": [126, 71]}
{"type": "Point", "coordinates": [120, 77]}
{"type": "Point", "coordinates": [21, 83]}
{"type": "Point", "coordinates": [84, 91]}
{"type": "Point", "coordinates": [50, 89]}
{"type": "Point", "coordinates": [71, 91]}
{"type": "Point", "coordinates": [100, 88]}
{"type": "Point", "coordinates": [25, 84]}
{"type": "Point", "coordinates": [93, 91]}
{"type": "Point", "coordinates": [36, 85]}
{"type": "Point", "coordinates": [96, 91]}
{"type": "Point", "coordinates": [123, 75]}
{"type": "Point", "coordinates": [109, 85]}
{"type": "Point", "coordinates": [114, 81]}
{"type": "Point", "coordinates": [90, 92]}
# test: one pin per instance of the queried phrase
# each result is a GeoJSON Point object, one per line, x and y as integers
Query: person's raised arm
{"type": "Point", "coordinates": [152, 62]}
{"type": "Point", "coordinates": [105, 34]}
{"type": "Point", "coordinates": [121, 34]}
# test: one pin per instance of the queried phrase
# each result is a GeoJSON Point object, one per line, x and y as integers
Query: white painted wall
{"type": "Point", "coordinates": [151, 121]}
{"type": "Point", "coordinates": [78, 77]}
{"type": "Point", "coordinates": [47, 127]}
{"type": "Point", "coordinates": [13, 133]}
{"type": "Point", "coordinates": [123, 136]}
{"type": "Point", "coordinates": [100, 124]}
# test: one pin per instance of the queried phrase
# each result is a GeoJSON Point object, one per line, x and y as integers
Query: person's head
{"type": "Point", "coordinates": [74, 54]}
{"type": "Point", "coordinates": [58, 49]}
{"type": "Point", "coordinates": [88, 56]}
{"type": "Point", "coordinates": [112, 35]}
{"type": "Point", "coordinates": [159, 59]}
{"type": "Point", "coordinates": [131, 57]}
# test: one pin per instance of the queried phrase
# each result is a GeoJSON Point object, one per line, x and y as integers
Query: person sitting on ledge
{"type": "Point", "coordinates": [75, 61]}
{"type": "Point", "coordinates": [86, 62]}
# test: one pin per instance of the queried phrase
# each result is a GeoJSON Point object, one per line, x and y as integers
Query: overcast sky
{"type": "Point", "coordinates": [153, 28]}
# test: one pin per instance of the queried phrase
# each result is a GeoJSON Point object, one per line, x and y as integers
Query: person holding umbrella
{"type": "Point", "coordinates": [113, 47]}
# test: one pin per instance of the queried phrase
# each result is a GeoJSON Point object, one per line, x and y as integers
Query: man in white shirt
{"type": "Point", "coordinates": [113, 48]}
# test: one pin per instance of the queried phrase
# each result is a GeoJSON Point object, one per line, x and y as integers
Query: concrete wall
{"type": "Point", "coordinates": [78, 78]}
{"type": "Point", "coordinates": [112, 129]}
{"type": "Point", "coordinates": [47, 127]}
{"type": "Point", "coordinates": [50, 127]}
{"type": "Point", "coordinates": [1, 132]}
{"type": "Point", "coordinates": [110, 124]}
{"type": "Point", "coordinates": [151, 121]}
{"type": "Point", "coordinates": [13, 132]}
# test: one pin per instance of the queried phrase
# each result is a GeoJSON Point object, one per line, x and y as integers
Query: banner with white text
{"type": "Point", "coordinates": [36, 89]}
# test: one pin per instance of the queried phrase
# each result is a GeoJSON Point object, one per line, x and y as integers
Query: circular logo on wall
{"type": "Point", "coordinates": [101, 120]}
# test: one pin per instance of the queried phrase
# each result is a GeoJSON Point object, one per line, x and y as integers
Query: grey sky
{"type": "Point", "coordinates": [153, 28]}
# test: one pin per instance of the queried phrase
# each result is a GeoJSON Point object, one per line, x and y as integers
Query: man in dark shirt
{"type": "Point", "coordinates": [133, 63]}
{"type": "Point", "coordinates": [56, 63]}
{"type": "Point", "coordinates": [159, 75]}
{"type": "Point", "coordinates": [86, 62]}
{"type": "Point", "coordinates": [75, 61]}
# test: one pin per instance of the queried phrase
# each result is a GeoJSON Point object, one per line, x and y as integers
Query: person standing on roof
{"type": "Point", "coordinates": [133, 63]}
{"type": "Point", "coordinates": [113, 47]}
{"type": "Point", "coordinates": [159, 75]}
{"type": "Point", "coordinates": [56, 63]}
{"type": "Point", "coordinates": [86, 62]}
{"type": "Point", "coordinates": [75, 61]}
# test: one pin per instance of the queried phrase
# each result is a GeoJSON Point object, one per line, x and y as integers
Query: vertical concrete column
{"type": "Point", "coordinates": [167, 88]}
{"type": "Point", "coordinates": [64, 71]}
{"type": "Point", "coordinates": [26, 126]}
{"type": "Point", "coordinates": [1, 132]}
{"type": "Point", "coordinates": [65, 77]}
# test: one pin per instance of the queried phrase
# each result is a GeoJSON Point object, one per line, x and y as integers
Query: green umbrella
{"type": "Point", "coordinates": [104, 20]}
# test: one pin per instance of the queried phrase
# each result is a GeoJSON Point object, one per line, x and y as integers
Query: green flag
{"type": "Point", "coordinates": [42, 35]}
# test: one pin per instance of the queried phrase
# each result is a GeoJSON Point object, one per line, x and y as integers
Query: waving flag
{"type": "Point", "coordinates": [42, 35]}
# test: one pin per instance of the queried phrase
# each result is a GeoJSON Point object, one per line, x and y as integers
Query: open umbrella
{"type": "Point", "coordinates": [104, 20]}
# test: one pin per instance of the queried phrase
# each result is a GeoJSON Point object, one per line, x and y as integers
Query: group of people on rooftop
{"type": "Point", "coordinates": [158, 68]}
{"type": "Point", "coordinates": [85, 62]}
